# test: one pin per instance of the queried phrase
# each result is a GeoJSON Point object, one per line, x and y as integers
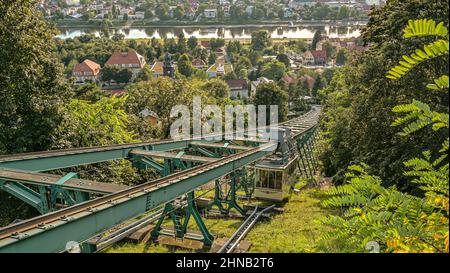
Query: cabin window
{"type": "Point", "coordinates": [263, 179]}
{"type": "Point", "coordinates": [270, 179]}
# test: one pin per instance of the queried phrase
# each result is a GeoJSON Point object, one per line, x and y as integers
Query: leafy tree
{"type": "Point", "coordinates": [217, 88]}
{"type": "Point", "coordinates": [89, 92]}
{"type": "Point", "coordinates": [160, 95]}
{"type": "Point", "coordinates": [185, 66]}
{"type": "Point", "coordinates": [162, 11]}
{"type": "Point", "coordinates": [192, 43]}
{"type": "Point", "coordinates": [356, 103]}
{"type": "Point", "coordinates": [318, 84]}
{"type": "Point", "coordinates": [234, 47]}
{"type": "Point", "coordinates": [92, 124]}
{"type": "Point", "coordinates": [396, 220]}
{"type": "Point", "coordinates": [216, 43]}
{"type": "Point", "coordinates": [32, 85]}
{"type": "Point", "coordinates": [316, 38]}
{"type": "Point", "coordinates": [273, 70]}
{"type": "Point", "coordinates": [178, 13]}
{"type": "Point", "coordinates": [144, 75]}
{"type": "Point", "coordinates": [212, 58]}
{"type": "Point", "coordinates": [341, 57]}
{"type": "Point", "coordinates": [124, 75]}
{"type": "Point", "coordinates": [109, 73]}
{"type": "Point", "coordinates": [284, 59]}
{"type": "Point", "coordinates": [271, 94]}
{"type": "Point", "coordinates": [182, 45]}
{"type": "Point", "coordinates": [260, 40]}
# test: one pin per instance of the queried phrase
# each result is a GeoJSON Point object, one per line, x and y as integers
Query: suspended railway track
{"type": "Point", "coordinates": [50, 232]}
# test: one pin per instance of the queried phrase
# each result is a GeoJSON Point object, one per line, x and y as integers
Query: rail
{"type": "Point", "coordinates": [242, 231]}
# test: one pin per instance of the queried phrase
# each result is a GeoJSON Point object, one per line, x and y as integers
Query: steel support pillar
{"type": "Point", "coordinates": [226, 202]}
{"type": "Point", "coordinates": [180, 224]}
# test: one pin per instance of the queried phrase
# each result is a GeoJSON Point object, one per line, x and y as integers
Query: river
{"type": "Point", "coordinates": [227, 32]}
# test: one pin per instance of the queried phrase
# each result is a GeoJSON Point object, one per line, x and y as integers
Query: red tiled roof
{"type": "Point", "coordinates": [131, 57]}
{"type": "Point", "coordinates": [319, 54]}
{"type": "Point", "coordinates": [87, 66]}
{"type": "Point", "coordinates": [205, 44]}
{"type": "Point", "coordinates": [237, 84]}
{"type": "Point", "coordinates": [158, 68]}
{"type": "Point", "coordinates": [289, 79]}
{"type": "Point", "coordinates": [310, 80]}
{"type": "Point", "coordinates": [198, 62]}
{"type": "Point", "coordinates": [117, 92]}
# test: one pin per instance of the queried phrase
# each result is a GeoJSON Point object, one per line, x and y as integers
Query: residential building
{"type": "Point", "coordinates": [210, 13]}
{"type": "Point", "coordinates": [320, 57]}
{"type": "Point", "coordinates": [87, 71]}
{"type": "Point", "coordinates": [288, 80]}
{"type": "Point", "coordinates": [157, 69]}
{"type": "Point", "coordinates": [130, 59]}
{"type": "Point", "coordinates": [138, 15]}
{"type": "Point", "coordinates": [219, 69]}
{"type": "Point", "coordinates": [199, 63]}
{"type": "Point", "coordinates": [309, 80]}
{"type": "Point", "coordinates": [238, 88]}
{"type": "Point", "coordinates": [255, 84]}
{"type": "Point", "coordinates": [308, 58]}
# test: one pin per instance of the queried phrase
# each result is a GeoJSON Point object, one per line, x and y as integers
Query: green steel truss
{"type": "Point", "coordinates": [80, 222]}
{"type": "Point", "coordinates": [84, 218]}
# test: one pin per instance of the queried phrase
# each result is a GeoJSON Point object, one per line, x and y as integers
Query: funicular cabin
{"type": "Point", "coordinates": [274, 182]}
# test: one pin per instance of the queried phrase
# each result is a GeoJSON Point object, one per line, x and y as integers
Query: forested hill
{"type": "Point", "coordinates": [359, 101]}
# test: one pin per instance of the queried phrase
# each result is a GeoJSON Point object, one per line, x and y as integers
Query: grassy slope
{"type": "Point", "coordinates": [295, 230]}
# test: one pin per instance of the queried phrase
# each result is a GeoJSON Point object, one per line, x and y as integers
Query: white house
{"type": "Point", "coordinates": [210, 13]}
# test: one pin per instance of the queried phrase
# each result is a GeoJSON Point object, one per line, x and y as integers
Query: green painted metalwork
{"type": "Point", "coordinates": [227, 201]}
{"type": "Point", "coordinates": [54, 160]}
{"type": "Point", "coordinates": [48, 197]}
{"type": "Point", "coordinates": [308, 152]}
{"type": "Point", "coordinates": [148, 162]}
{"type": "Point", "coordinates": [205, 151]}
{"type": "Point", "coordinates": [180, 218]}
{"type": "Point", "coordinates": [58, 193]}
{"type": "Point", "coordinates": [25, 194]}
{"type": "Point", "coordinates": [101, 214]}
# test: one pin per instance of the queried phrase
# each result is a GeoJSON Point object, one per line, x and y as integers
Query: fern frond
{"type": "Point", "coordinates": [424, 27]}
{"type": "Point", "coordinates": [440, 83]}
{"type": "Point", "coordinates": [433, 50]}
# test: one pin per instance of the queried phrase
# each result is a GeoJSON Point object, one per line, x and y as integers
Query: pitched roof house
{"type": "Point", "coordinates": [255, 84]}
{"type": "Point", "coordinates": [198, 63]}
{"type": "Point", "coordinates": [320, 57]}
{"type": "Point", "coordinates": [86, 71]}
{"type": "Point", "coordinates": [308, 58]}
{"type": "Point", "coordinates": [130, 59]}
{"type": "Point", "coordinates": [238, 88]}
{"type": "Point", "coordinates": [157, 69]}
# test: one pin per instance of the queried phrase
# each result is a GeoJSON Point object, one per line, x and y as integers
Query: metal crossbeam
{"type": "Point", "coordinates": [25, 194]}
{"type": "Point", "coordinates": [53, 160]}
{"type": "Point", "coordinates": [220, 145]}
{"type": "Point", "coordinates": [43, 179]}
{"type": "Point", "coordinates": [167, 155]}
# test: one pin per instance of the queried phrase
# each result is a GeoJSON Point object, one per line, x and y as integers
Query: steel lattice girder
{"type": "Point", "coordinates": [87, 219]}
{"type": "Point", "coordinates": [54, 160]}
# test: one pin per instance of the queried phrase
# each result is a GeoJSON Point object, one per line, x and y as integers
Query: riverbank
{"type": "Point", "coordinates": [96, 23]}
{"type": "Point", "coordinates": [231, 32]}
